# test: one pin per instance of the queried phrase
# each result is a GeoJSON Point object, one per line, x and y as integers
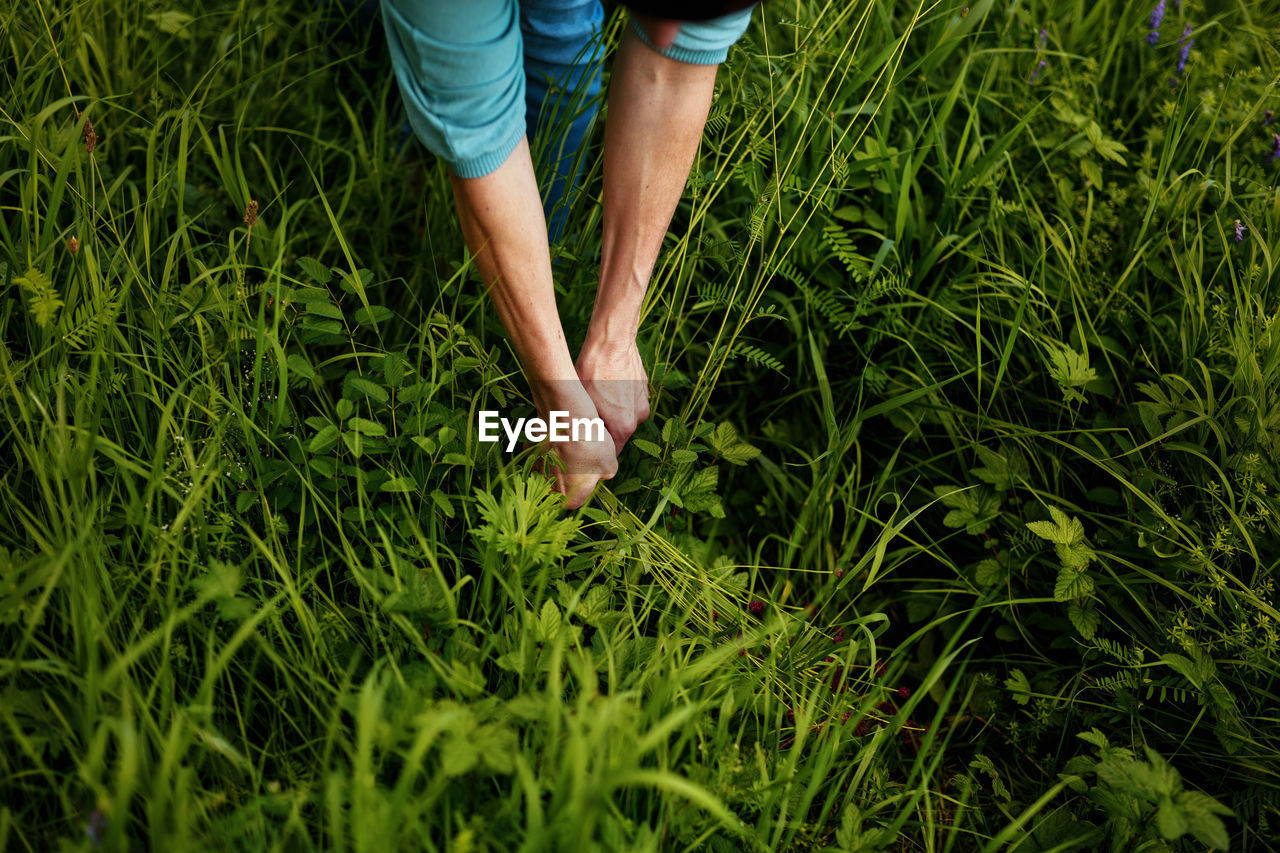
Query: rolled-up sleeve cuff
{"type": "Point", "coordinates": [483, 164]}
{"type": "Point", "coordinates": [702, 42]}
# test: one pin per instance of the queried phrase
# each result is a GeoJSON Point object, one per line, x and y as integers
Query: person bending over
{"type": "Point", "coordinates": [474, 76]}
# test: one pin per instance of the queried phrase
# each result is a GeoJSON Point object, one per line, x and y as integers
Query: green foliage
{"type": "Point", "coordinates": [966, 420]}
{"type": "Point", "coordinates": [1145, 800]}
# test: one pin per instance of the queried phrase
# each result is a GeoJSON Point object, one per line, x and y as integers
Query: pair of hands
{"type": "Point", "coordinates": [612, 383]}
{"type": "Point", "coordinates": [613, 386]}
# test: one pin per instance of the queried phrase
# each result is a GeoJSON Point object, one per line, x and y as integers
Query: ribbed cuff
{"type": "Point", "coordinates": [683, 54]}
{"type": "Point", "coordinates": [483, 164]}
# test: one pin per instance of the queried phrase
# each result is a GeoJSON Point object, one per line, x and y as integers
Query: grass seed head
{"type": "Point", "coordinates": [89, 135]}
{"type": "Point", "coordinates": [251, 213]}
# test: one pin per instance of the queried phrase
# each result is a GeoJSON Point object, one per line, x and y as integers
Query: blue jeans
{"type": "Point", "coordinates": [477, 75]}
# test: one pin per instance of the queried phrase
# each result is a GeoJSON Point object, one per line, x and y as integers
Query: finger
{"type": "Point", "coordinates": [619, 437]}
{"type": "Point", "coordinates": [580, 494]}
{"type": "Point", "coordinates": [662, 32]}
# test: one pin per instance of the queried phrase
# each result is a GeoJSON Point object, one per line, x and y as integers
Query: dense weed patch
{"type": "Point", "coordinates": [956, 526]}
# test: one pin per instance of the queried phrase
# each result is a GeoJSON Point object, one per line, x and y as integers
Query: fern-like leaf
{"type": "Point", "coordinates": [78, 327]}
{"type": "Point", "coordinates": [43, 299]}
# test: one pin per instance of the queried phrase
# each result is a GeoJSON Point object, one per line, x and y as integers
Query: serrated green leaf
{"type": "Point", "coordinates": [372, 315]}
{"type": "Point", "coordinates": [368, 427]}
{"type": "Point", "coordinates": [1070, 368]}
{"type": "Point", "coordinates": [725, 443]}
{"type": "Point", "coordinates": [393, 368]}
{"type": "Point", "coordinates": [681, 457]}
{"type": "Point", "coordinates": [315, 270]}
{"type": "Point", "coordinates": [1043, 529]}
{"type": "Point", "coordinates": [1019, 687]}
{"type": "Point", "coordinates": [549, 622]}
{"type": "Point", "coordinates": [627, 486]}
{"type": "Point", "coordinates": [1001, 470]}
{"type": "Point", "coordinates": [648, 447]}
{"type": "Point", "coordinates": [1085, 619]}
{"type": "Point", "coordinates": [594, 604]}
{"type": "Point", "coordinates": [324, 308]}
{"type": "Point", "coordinates": [1093, 173]}
{"type": "Point", "coordinates": [1170, 820]}
{"type": "Point", "coordinates": [354, 284]}
{"type": "Point", "coordinates": [372, 390]}
{"type": "Point", "coordinates": [1184, 667]}
{"type": "Point", "coordinates": [974, 508]}
{"type": "Point", "coordinates": [324, 440]}
{"type": "Point", "coordinates": [300, 366]}
{"type": "Point", "coordinates": [1201, 813]}
{"type": "Point", "coordinates": [701, 481]}
{"type": "Point", "coordinates": [989, 572]}
{"type": "Point", "coordinates": [674, 431]}
{"type": "Point", "coordinates": [315, 324]}
{"type": "Point", "coordinates": [1067, 535]}
{"type": "Point", "coordinates": [441, 500]}
{"type": "Point", "coordinates": [1095, 737]}
{"type": "Point", "coordinates": [1071, 584]}
{"type": "Point", "coordinates": [399, 484]}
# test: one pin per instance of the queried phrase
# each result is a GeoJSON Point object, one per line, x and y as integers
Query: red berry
{"type": "Point", "coordinates": [904, 692]}
{"type": "Point", "coordinates": [756, 607]}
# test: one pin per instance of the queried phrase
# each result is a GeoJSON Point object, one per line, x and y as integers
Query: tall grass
{"type": "Point", "coordinates": [955, 527]}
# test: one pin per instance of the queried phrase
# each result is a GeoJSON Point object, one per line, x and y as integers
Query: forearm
{"type": "Point", "coordinates": [657, 109]}
{"type": "Point", "coordinates": [502, 221]}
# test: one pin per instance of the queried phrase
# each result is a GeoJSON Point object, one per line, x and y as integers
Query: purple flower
{"type": "Point", "coordinates": [1275, 154]}
{"type": "Point", "coordinates": [1157, 16]}
{"type": "Point", "coordinates": [1041, 43]}
{"type": "Point", "coordinates": [1185, 43]}
{"type": "Point", "coordinates": [1268, 117]}
{"type": "Point", "coordinates": [1240, 229]}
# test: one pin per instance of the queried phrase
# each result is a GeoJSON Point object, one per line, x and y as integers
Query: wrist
{"type": "Point", "coordinates": [561, 395]}
{"type": "Point", "coordinates": [610, 338]}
